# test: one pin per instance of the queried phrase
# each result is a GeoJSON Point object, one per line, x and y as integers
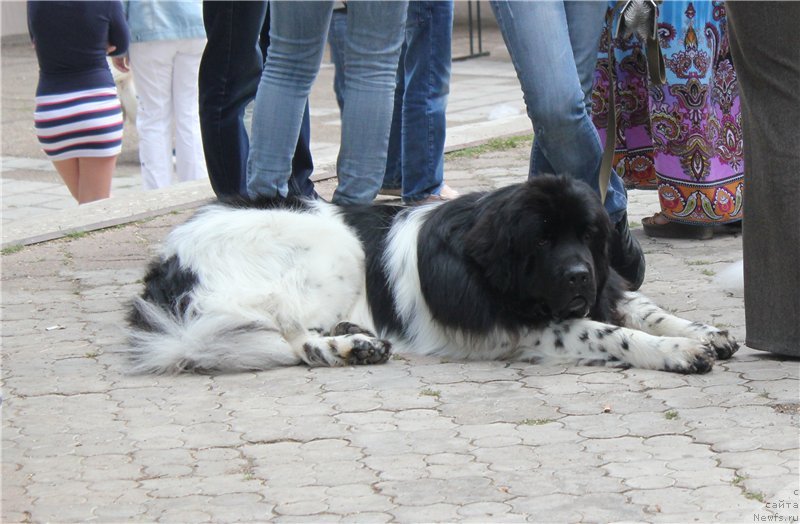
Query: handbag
{"type": "Point", "coordinates": [640, 18]}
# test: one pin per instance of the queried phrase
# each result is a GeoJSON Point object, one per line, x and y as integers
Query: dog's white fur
{"type": "Point", "coordinates": [272, 285]}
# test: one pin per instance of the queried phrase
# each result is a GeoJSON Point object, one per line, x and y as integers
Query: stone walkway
{"type": "Point", "coordinates": [414, 440]}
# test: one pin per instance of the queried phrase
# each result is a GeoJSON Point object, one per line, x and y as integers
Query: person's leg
{"type": "Point", "coordinates": [189, 161]}
{"type": "Point", "coordinates": [764, 43]}
{"type": "Point", "coordinates": [427, 83]}
{"type": "Point", "coordinates": [584, 25]}
{"type": "Point", "coordinates": [585, 22]}
{"type": "Point", "coordinates": [94, 178]}
{"type": "Point", "coordinates": [300, 183]}
{"type": "Point", "coordinates": [393, 176]}
{"type": "Point", "coordinates": [227, 81]}
{"type": "Point", "coordinates": [297, 39]}
{"type": "Point", "coordinates": [152, 66]}
{"type": "Point", "coordinates": [552, 45]}
{"type": "Point", "coordinates": [336, 37]}
{"type": "Point", "coordinates": [374, 39]}
{"type": "Point", "coordinates": [68, 170]}
{"type": "Point", "coordinates": [539, 37]}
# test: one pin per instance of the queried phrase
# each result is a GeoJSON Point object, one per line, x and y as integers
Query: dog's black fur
{"type": "Point", "coordinates": [495, 275]}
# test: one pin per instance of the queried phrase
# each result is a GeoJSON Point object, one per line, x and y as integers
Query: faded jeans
{"type": "Point", "coordinates": [229, 74]}
{"type": "Point", "coordinates": [297, 41]}
{"type": "Point", "coordinates": [419, 125]}
{"type": "Point", "coordinates": [553, 45]}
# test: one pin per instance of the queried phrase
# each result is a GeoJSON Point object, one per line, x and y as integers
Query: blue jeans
{"type": "Point", "coordinates": [297, 34]}
{"type": "Point", "coordinates": [336, 39]}
{"type": "Point", "coordinates": [553, 46]}
{"type": "Point", "coordinates": [228, 79]}
{"type": "Point", "coordinates": [416, 144]}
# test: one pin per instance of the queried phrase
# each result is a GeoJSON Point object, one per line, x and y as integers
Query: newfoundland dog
{"type": "Point", "coordinates": [520, 273]}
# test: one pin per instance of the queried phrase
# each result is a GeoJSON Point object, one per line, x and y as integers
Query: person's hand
{"type": "Point", "coordinates": [121, 63]}
{"type": "Point", "coordinates": [110, 49]}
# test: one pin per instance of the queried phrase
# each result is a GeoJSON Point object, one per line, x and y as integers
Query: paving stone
{"type": "Point", "coordinates": [289, 494]}
{"type": "Point", "coordinates": [119, 512]}
{"type": "Point", "coordinates": [548, 508]}
{"type": "Point", "coordinates": [311, 519]}
{"type": "Point", "coordinates": [250, 512]}
{"type": "Point", "coordinates": [353, 499]}
{"type": "Point", "coordinates": [666, 422]}
{"type": "Point", "coordinates": [426, 513]}
{"type": "Point", "coordinates": [605, 425]}
{"type": "Point", "coordinates": [305, 508]}
{"type": "Point", "coordinates": [667, 501]}
{"type": "Point", "coordinates": [703, 477]}
{"type": "Point", "coordinates": [449, 472]}
{"type": "Point", "coordinates": [185, 516]}
{"type": "Point", "coordinates": [650, 482]}
{"type": "Point", "coordinates": [462, 490]}
{"type": "Point", "coordinates": [367, 517]}
{"type": "Point", "coordinates": [417, 439]}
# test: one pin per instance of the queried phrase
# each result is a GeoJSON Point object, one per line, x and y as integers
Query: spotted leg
{"type": "Point", "coordinates": [583, 341]}
{"type": "Point", "coordinates": [639, 312]}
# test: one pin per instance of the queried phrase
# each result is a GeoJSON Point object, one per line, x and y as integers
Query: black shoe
{"type": "Point", "coordinates": [626, 254]}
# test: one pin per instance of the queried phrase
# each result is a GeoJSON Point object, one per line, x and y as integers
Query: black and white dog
{"type": "Point", "coordinates": [520, 273]}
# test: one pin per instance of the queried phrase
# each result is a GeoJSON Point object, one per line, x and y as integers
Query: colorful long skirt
{"type": "Point", "coordinates": [684, 137]}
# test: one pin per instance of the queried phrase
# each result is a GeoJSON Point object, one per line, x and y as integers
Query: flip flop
{"type": "Point", "coordinates": [672, 229]}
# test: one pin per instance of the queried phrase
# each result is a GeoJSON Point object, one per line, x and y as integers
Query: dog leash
{"type": "Point", "coordinates": [639, 17]}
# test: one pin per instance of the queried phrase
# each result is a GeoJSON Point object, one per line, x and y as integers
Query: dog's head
{"type": "Point", "coordinates": [543, 247]}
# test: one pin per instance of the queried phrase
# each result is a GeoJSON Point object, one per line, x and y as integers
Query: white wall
{"type": "Point", "coordinates": [13, 18]}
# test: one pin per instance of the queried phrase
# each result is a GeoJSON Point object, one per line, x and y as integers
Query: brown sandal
{"type": "Point", "coordinates": [666, 228]}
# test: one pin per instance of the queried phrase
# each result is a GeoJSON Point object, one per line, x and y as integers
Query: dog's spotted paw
{"type": "Point", "coordinates": [348, 328]}
{"type": "Point", "coordinates": [690, 357]}
{"type": "Point", "coordinates": [369, 351]}
{"type": "Point", "coordinates": [724, 344]}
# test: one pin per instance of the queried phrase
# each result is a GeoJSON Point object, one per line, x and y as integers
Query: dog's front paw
{"type": "Point", "coordinates": [724, 344]}
{"type": "Point", "coordinates": [369, 351]}
{"type": "Point", "coordinates": [690, 356]}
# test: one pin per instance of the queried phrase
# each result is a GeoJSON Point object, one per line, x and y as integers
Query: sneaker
{"type": "Point", "coordinates": [626, 254]}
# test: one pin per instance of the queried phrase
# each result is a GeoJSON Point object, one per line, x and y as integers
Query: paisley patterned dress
{"type": "Point", "coordinates": [684, 137]}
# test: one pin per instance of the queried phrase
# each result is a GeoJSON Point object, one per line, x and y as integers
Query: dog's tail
{"type": "Point", "coordinates": [166, 342]}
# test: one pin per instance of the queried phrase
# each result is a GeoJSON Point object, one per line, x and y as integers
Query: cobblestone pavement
{"type": "Point", "coordinates": [414, 440]}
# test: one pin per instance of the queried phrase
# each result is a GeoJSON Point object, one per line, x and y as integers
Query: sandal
{"type": "Point", "coordinates": [659, 226]}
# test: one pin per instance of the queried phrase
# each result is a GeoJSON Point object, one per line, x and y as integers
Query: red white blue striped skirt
{"type": "Point", "coordinates": [79, 124]}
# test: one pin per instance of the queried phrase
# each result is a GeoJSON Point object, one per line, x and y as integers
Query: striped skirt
{"type": "Point", "coordinates": [79, 124]}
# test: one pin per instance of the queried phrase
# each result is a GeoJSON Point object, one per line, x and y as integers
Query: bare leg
{"type": "Point", "coordinates": [95, 178]}
{"type": "Point", "coordinates": [69, 171]}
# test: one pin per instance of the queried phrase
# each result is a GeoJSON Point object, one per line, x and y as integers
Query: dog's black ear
{"type": "Point", "coordinates": [488, 243]}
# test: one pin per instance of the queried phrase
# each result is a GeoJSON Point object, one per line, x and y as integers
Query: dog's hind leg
{"type": "Point", "coordinates": [636, 311]}
{"type": "Point", "coordinates": [348, 328]}
{"type": "Point", "coordinates": [347, 344]}
{"type": "Point", "coordinates": [583, 341]}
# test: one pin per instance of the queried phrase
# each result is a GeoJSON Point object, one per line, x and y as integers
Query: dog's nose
{"type": "Point", "coordinates": [577, 276]}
